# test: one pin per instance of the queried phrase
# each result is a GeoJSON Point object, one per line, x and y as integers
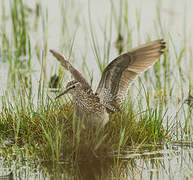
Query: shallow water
{"type": "Point", "coordinates": [169, 161]}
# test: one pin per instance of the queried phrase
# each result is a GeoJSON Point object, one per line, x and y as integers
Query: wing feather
{"type": "Point", "coordinates": [76, 74]}
{"type": "Point", "coordinates": [125, 68]}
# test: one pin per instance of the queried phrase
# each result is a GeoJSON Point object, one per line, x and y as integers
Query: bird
{"type": "Point", "coordinates": [94, 107]}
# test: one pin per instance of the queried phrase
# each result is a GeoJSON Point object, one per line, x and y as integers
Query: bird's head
{"type": "Point", "coordinates": [72, 87]}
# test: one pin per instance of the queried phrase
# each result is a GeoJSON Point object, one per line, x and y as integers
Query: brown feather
{"type": "Point", "coordinates": [121, 71]}
{"type": "Point", "coordinates": [77, 76]}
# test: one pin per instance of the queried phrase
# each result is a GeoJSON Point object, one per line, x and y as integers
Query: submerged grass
{"type": "Point", "coordinates": [47, 129]}
{"type": "Point", "coordinates": [54, 129]}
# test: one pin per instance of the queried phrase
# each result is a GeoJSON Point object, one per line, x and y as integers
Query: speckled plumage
{"type": "Point", "coordinates": [87, 105]}
{"type": "Point", "coordinates": [89, 108]}
{"type": "Point", "coordinates": [114, 83]}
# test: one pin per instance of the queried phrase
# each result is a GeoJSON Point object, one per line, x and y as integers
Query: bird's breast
{"type": "Point", "coordinates": [91, 111]}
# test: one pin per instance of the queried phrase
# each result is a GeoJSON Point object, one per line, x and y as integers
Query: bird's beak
{"type": "Point", "coordinates": [66, 91]}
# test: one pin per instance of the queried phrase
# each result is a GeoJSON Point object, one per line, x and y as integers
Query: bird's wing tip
{"type": "Point", "coordinates": [163, 41]}
{"type": "Point", "coordinates": [51, 50]}
{"type": "Point", "coordinates": [57, 55]}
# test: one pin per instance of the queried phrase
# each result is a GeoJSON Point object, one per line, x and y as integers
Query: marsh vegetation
{"type": "Point", "coordinates": [41, 137]}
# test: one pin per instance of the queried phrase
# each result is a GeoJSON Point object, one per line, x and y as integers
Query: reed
{"type": "Point", "coordinates": [39, 127]}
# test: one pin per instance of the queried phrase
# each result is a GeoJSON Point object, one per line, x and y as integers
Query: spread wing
{"type": "Point", "coordinates": [76, 74]}
{"type": "Point", "coordinates": [121, 71]}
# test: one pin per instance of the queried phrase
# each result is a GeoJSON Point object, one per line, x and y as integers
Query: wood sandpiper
{"type": "Point", "coordinates": [94, 108]}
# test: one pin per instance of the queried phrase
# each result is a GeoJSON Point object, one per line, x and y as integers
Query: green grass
{"type": "Point", "coordinates": [41, 128]}
{"type": "Point", "coordinates": [54, 129]}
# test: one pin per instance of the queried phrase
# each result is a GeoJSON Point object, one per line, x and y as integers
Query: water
{"type": "Point", "coordinates": [168, 161]}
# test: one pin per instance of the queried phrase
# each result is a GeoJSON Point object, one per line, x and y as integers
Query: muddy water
{"type": "Point", "coordinates": [170, 161]}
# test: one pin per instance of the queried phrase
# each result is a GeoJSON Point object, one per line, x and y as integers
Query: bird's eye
{"type": "Point", "coordinates": [73, 86]}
